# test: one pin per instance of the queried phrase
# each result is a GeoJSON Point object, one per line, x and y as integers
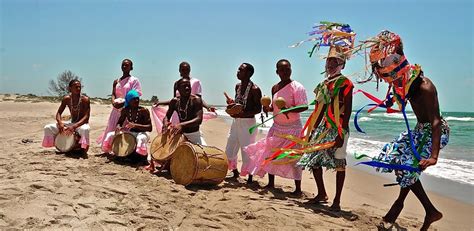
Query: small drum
{"type": "Point", "coordinates": [234, 109]}
{"type": "Point", "coordinates": [124, 144]}
{"type": "Point", "coordinates": [164, 145]}
{"type": "Point", "coordinates": [66, 143]}
{"type": "Point", "coordinates": [197, 164]}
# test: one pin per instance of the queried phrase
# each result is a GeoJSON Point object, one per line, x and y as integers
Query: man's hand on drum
{"type": "Point", "coordinates": [166, 127]}
{"type": "Point", "coordinates": [69, 130]}
{"type": "Point", "coordinates": [176, 129]}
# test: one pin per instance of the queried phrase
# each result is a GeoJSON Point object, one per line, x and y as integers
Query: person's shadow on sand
{"type": "Point", "coordinates": [326, 210]}
{"type": "Point", "coordinates": [395, 226]}
{"type": "Point", "coordinates": [133, 160]}
{"type": "Point", "coordinates": [75, 154]}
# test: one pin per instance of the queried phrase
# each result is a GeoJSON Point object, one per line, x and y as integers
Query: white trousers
{"type": "Point", "coordinates": [238, 138]}
{"type": "Point", "coordinates": [51, 130]}
{"type": "Point", "coordinates": [195, 138]}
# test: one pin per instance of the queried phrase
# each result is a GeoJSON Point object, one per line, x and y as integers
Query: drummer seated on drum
{"type": "Point", "coordinates": [189, 109]}
{"type": "Point", "coordinates": [134, 119]}
{"type": "Point", "coordinates": [79, 108]}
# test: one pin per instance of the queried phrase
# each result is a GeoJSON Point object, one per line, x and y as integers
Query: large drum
{"type": "Point", "coordinates": [66, 143]}
{"type": "Point", "coordinates": [197, 164]}
{"type": "Point", "coordinates": [124, 144]}
{"type": "Point", "coordinates": [164, 145]}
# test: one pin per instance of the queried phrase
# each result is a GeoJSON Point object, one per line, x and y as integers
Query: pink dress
{"type": "Point", "coordinates": [294, 95]}
{"type": "Point", "coordinates": [159, 113]}
{"type": "Point", "coordinates": [121, 89]}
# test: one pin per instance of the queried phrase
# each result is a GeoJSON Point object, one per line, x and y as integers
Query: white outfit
{"type": "Point", "coordinates": [195, 138]}
{"type": "Point", "coordinates": [51, 130]}
{"type": "Point", "coordinates": [239, 137]}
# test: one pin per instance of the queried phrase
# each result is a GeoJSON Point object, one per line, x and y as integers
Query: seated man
{"type": "Point", "coordinates": [134, 119]}
{"type": "Point", "coordinates": [79, 108]}
{"type": "Point", "coordinates": [189, 109]}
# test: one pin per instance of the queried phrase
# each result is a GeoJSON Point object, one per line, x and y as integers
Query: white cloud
{"type": "Point", "coordinates": [36, 66]}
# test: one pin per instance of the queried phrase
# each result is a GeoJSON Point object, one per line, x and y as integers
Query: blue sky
{"type": "Point", "coordinates": [40, 39]}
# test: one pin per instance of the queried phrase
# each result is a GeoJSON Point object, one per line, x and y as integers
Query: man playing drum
{"type": "Point", "coordinates": [79, 108]}
{"type": "Point", "coordinates": [134, 119]}
{"type": "Point", "coordinates": [189, 109]}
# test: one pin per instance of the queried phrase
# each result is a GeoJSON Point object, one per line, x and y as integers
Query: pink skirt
{"type": "Point", "coordinates": [262, 149]}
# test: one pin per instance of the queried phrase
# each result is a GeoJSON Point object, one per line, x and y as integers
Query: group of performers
{"type": "Point", "coordinates": [291, 144]}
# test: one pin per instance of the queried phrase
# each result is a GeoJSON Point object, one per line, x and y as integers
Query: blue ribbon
{"type": "Point", "coordinates": [378, 164]}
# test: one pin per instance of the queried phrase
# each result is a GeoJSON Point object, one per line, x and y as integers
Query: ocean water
{"type": "Point", "coordinates": [455, 162]}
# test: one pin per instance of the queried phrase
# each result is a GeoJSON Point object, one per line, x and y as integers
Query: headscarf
{"type": "Point", "coordinates": [132, 94]}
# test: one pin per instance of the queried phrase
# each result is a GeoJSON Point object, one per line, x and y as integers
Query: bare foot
{"type": "Point", "coordinates": [319, 199]}
{"type": "Point", "coordinates": [296, 193]}
{"type": "Point", "coordinates": [150, 168]}
{"type": "Point", "coordinates": [335, 207]}
{"type": "Point", "coordinates": [393, 213]}
{"type": "Point", "coordinates": [430, 218]}
{"type": "Point", "coordinates": [236, 173]}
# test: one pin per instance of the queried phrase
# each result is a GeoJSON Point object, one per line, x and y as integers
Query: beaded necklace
{"type": "Point", "coordinates": [185, 110]}
{"type": "Point", "coordinates": [77, 107]}
{"type": "Point", "coordinates": [242, 99]}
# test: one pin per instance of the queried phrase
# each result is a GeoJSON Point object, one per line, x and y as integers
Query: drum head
{"type": "Point", "coordinates": [64, 143]}
{"type": "Point", "coordinates": [184, 164]}
{"type": "Point", "coordinates": [124, 144]}
{"type": "Point", "coordinates": [164, 145]}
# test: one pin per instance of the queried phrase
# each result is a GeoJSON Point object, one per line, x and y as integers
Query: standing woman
{"type": "Point", "coordinates": [294, 94]}
{"type": "Point", "coordinates": [120, 88]}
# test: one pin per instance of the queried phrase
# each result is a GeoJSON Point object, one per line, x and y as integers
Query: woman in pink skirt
{"type": "Point", "coordinates": [285, 124]}
{"type": "Point", "coordinates": [120, 89]}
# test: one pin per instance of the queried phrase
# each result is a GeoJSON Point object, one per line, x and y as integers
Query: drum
{"type": "Point", "coordinates": [124, 144]}
{"type": "Point", "coordinates": [164, 145]}
{"type": "Point", "coordinates": [66, 143]}
{"type": "Point", "coordinates": [197, 164]}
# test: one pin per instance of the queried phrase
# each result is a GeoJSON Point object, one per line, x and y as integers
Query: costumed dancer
{"type": "Point", "coordinates": [243, 110]}
{"type": "Point", "coordinates": [328, 126]}
{"type": "Point", "coordinates": [120, 88]}
{"type": "Point", "coordinates": [134, 119]}
{"type": "Point", "coordinates": [414, 150]}
{"type": "Point", "coordinates": [189, 110]}
{"type": "Point", "coordinates": [286, 94]}
{"type": "Point", "coordinates": [159, 113]}
{"type": "Point", "coordinates": [79, 108]}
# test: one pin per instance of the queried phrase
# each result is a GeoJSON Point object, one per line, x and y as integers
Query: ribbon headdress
{"type": "Point", "coordinates": [389, 63]}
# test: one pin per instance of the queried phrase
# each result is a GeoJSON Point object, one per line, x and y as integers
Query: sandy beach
{"type": "Point", "coordinates": [43, 190]}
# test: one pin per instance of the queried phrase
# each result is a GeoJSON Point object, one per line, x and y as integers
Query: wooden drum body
{"type": "Point", "coordinates": [124, 144]}
{"type": "Point", "coordinates": [197, 164]}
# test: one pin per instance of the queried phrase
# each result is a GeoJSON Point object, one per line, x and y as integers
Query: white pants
{"type": "Point", "coordinates": [51, 130]}
{"type": "Point", "coordinates": [238, 138]}
{"type": "Point", "coordinates": [195, 138]}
